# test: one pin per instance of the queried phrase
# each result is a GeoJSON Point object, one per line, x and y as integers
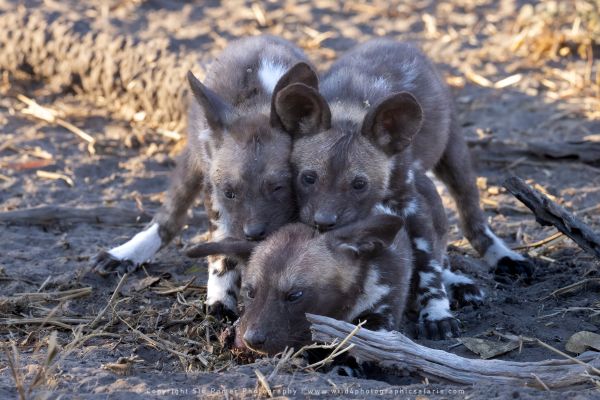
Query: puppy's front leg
{"type": "Point", "coordinates": [435, 318]}
{"type": "Point", "coordinates": [185, 185]}
{"type": "Point", "coordinates": [223, 287]}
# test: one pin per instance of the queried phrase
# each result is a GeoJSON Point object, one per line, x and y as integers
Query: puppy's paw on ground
{"type": "Point", "coordinates": [466, 294]}
{"type": "Point", "coordinates": [514, 268]}
{"type": "Point", "coordinates": [105, 264]}
{"type": "Point", "coordinates": [439, 329]}
{"type": "Point", "coordinates": [220, 312]}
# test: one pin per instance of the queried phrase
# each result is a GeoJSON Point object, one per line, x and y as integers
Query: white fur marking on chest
{"type": "Point", "coordinates": [269, 73]}
{"type": "Point", "coordinates": [372, 293]}
{"type": "Point", "coordinates": [425, 279]}
{"type": "Point", "coordinates": [383, 209]}
{"type": "Point", "coordinates": [410, 176]}
{"type": "Point", "coordinates": [141, 247]}
{"type": "Point", "coordinates": [422, 244]}
{"type": "Point", "coordinates": [498, 250]}
{"type": "Point", "coordinates": [411, 208]}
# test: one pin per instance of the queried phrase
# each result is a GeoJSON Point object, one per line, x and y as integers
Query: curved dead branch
{"type": "Point", "coordinates": [394, 350]}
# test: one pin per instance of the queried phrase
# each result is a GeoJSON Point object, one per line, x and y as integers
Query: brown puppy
{"type": "Point", "coordinates": [355, 273]}
{"type": "Point", "coordinates": [237, 155]}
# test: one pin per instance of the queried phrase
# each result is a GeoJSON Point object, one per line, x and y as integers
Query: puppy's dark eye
{"type": "Point", "coordinates": [250, 293]}
{"type": "Point", "coordinates": [229, 194]}
{"type": "Point", "coordinates": [277, 188]}
{"type": "Point", "coordinates": [294, 296]}
{"type": "Point", "coordinates": [359, 183]}
{"type": "Point", "coordinates": [309, 178]}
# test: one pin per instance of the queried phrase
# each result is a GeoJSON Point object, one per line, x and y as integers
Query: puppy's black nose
{"type": "Point", "coordinates": [256, 231]}
{"type": "Point", "coordinates": [254, 339]}
{"type": "Point", "coordinates": [325, 220]}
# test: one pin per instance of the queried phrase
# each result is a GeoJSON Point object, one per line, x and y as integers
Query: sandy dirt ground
{"type": "Point", "coordinates": [156, 340]}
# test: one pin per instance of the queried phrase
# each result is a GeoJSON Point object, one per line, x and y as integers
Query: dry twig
{"type": "Point", "coordinates": [548, 212]}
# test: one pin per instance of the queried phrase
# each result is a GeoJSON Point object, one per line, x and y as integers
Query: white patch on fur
{"type": "Point", "coordinates": [422, 244]}
{"type": "Point", "coordinates": [341, 110]}
{"type": "Point", "coordinates": [140, 248]}
{"type": "Point", "coordinates": [269, 73]}
{"type": "Point", "coordinates": [417, 164]}
{"type": "Point", "coordinates": [372, 293]}
{"type": "Point", "coordinates": [425, 279]}
{"type": "Point", "coordinates": [410, 176]}
{"type": "Point", "coordinates": [435, 310]}
{"type": "Point", "coordinates": [435, 265]}
{"type": "Point", "coordinates": [452, 278]}
{"type": "Point", "coordinates": [498, 250]}
{"type": "Point", "coordinates": [204, 135]}
{"type": "Point", "coordinates": [218, 285]}
{"type": "Point", "coordinates": [383, 209]}
{"type": "Point", "coordinates": [411, 208]}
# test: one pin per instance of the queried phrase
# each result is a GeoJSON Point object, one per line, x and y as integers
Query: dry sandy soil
{"type": "Point", "coordinates": [155, 340]}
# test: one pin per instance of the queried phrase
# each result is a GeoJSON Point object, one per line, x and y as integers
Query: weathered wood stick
{"type": "Point", "coordinates": [548, 212]}
{"type": "Point", "coordinates": [394, 350]}
{"type": "Point", "coordinates": [48, 215]}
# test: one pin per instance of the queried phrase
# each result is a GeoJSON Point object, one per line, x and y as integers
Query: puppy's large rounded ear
{"type": "Point", "coordinates": [368, 237]}
{"type": "Point", "coordinates": [392, 123]}
{"type": "Point", "coordinates": [302, 110]}
{"type": "Point", "coordinates": [216, 110]}
{"type": "Point", "coordinates": [299, 73]}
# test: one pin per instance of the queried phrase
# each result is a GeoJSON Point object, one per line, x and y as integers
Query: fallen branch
{"type": "Point", "coordinates": [394, 350]}
{"type": "Point", "coordinates": [48, 215]}
{"type": "Point", "coordinates": [548, 212]}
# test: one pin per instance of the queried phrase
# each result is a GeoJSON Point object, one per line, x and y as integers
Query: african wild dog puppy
{"type": "Point", "coordinates": [383, 116]}
{"type": "Point", "coordinates": [369, 75]}
{"type": "Point", "coordinates": [359, 272]}
{"type": "Point", "coordinates": [237, 155]}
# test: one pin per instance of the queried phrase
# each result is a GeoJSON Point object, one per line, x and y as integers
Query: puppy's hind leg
{"type": "Point", "coordinates": [455, 170]}
{"type": "Point", "coordinates": [185, 185]}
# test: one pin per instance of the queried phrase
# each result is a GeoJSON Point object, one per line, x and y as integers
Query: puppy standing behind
{"type": "Point", "coordinates": [360, 272]}
{"type": "Point", "coordinates": [369, 75]}
{"type": "Point", "coordinates": [385, 116]}
{"type": "Point", "coordinates": [236, 154]}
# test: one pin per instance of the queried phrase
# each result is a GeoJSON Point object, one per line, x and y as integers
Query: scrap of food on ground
{"type": "Point", "coordinates": [93, 108]}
